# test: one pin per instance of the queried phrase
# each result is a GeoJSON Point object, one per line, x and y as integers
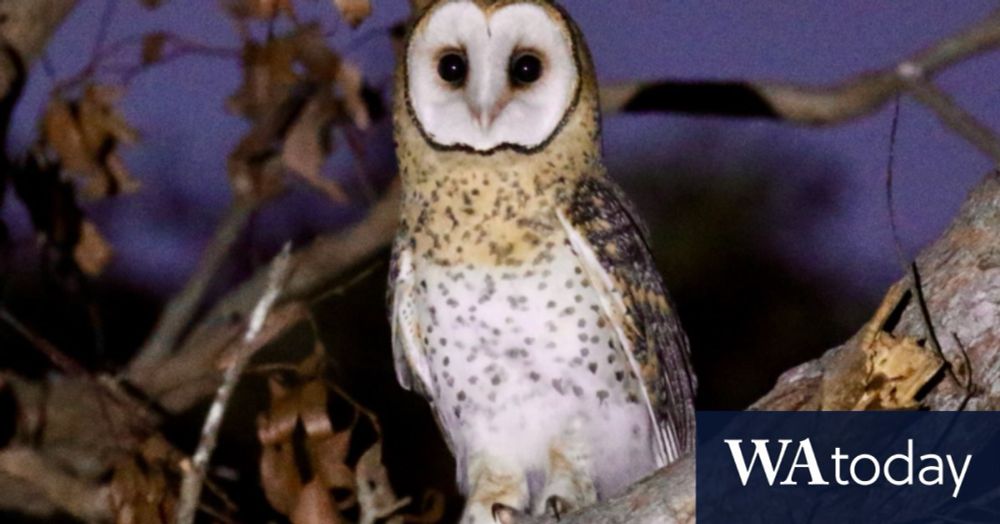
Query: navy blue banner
{"type": "Point", "coordinates": [882, 467]}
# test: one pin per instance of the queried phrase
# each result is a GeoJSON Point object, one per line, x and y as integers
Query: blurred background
{"type": "Point", "coordinates": [774, 239]}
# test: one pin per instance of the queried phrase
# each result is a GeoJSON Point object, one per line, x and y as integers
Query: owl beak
{"type": "Point", "coordinates": [485, 113]}
{"type": "Point", "coordinates": [484, 103]}
{"type": "Point", "coordinates": [482, 113]}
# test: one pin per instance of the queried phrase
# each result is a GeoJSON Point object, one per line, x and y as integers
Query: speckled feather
{"type": "Point", "coordinates": [603, 214]}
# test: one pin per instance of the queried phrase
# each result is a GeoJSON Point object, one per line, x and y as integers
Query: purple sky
{"type": "Point", "coordinates": [186, 133]}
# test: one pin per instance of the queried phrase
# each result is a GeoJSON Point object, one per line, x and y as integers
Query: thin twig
{"type": "Point", "coordinates": [960, 121]}
{"type": "Point", "coordinates": [910, 266]}
{"type": "Point", "coordinates": [60, 360]}
{"type": "Point", "coordinates": [194, 475]}
{"type": "Point", "coordinates": [182, 308]}
{"type": "Point", "coordinates": [969, 377]}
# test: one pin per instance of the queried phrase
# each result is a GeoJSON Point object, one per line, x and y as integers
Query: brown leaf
{"type": "Point", "coordinates": [92, 253]}
{"type": "Point", "coordinates": [354, 11]}
{"type": "Point", "coordinates": [268, 74]}
{"type": "Point", "coordinates": [85, 135]}
{"type": "Point", "coordinates": [141, 492]}
{"type": "Point", "coordinates": [305, 146]}
{"type": "Point", "coordinates": [277, 425]}
{"type": "Point", "coordinates": [328, 456]}
{"type": "Point", "coordinates": [312, 410]}
{"type": "Point", "coordinates": [255, 178]}
{"type": "Point", "coordinates": [152, 47]}
{"type": "Point", "coordinates": [62, 132]}
{"type": "Point", "coordinates": [314, 506]}
{"type": "Point", "coordinates": [100, 120]}
{"type": "Point", "coordinates": [896, 367]}
{"type": "Point", "coordinates": [280, 477]}
{"type": "Point", "coordinates": [351, 84]}
{"type": "Point", "coordinates": [314, 52]}
{"type": "Point", "coordinates": [375, 494]}
{"type": "Point", "coordinates": [263, 9]}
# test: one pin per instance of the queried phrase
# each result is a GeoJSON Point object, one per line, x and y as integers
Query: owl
{"type": "Point", "coordinates": [524, 302]}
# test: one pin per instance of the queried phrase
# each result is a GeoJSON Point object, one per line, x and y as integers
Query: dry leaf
{"type": "Point", "coordinates": [268, 75]}
{"type": "Point", "coordinates": [92, 252]}
{"type": "Point", "coordinates": [354, 11]}
{"type": "Point", "coordinates": [254, 177]}
{"type": "Point", "coordinates": [375, 494]}
{"type": "Point", "coordinates": [100, 120]}
{"type": "Point", "coordinates": [85, 135]}
{"type": "Point", "coordinates": [896, 368]}
{"type": "Point", "coordinates": [262, 9]}
{"type": "Point", "coordinates": [142, 485]}
{"type": "Point", "coordinates": [62, 132]}
{"type": "Point", "coordinates": [280, 477]}
{"type": "Point", "coordinates": [351, 85]}
{"type": "Point", "coordinates": [313, 51]}
{"type": "Point", "coordinates": [303, 403]}
{"type": "Point", "coordinates": [306, 148]}
{"type": "Point", "coordinates": [315, 506]}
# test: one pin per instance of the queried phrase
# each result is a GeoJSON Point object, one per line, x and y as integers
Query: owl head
{"type": "Point", "coordinates": [495, 76]}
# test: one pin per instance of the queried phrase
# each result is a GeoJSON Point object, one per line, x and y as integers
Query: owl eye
{"type": "Point", "coordinates": [525, 68]}
{"type": "Point", "coordinates": [453, 68]}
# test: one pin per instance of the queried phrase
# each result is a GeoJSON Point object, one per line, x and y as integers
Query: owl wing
{"type": "Point", "coordinates": [609, 240]}
{"type": "Point", "coordinates": [409, 358]}
{"type": "Point", "coordinates": [408, 355]}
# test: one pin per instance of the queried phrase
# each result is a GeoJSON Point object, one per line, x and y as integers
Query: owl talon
{"type": "Point", "coordinates": [504, 514]}
{"type": "Point", "coordinates": [557, 506]}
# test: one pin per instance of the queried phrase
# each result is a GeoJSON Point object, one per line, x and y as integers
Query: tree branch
{"type": "Point", "coordinates": [44, 482]}
{"type": "Point", "coordinates": [857, 97]}
{"type": "Point", "coordinates": [188, 376]}
{"type": "Point", "coordinates": [179, 312]}
{"type": "Point", "coordinates": [197, 469]}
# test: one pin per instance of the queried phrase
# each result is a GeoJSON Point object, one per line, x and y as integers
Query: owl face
{"type": "Point", "coordinates": [489, 77]}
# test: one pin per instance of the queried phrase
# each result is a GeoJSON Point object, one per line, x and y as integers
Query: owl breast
{"type": "Point", "coordinates": [521, 355]}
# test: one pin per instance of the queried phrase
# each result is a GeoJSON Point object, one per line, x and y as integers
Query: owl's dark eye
{"type": "Point", "coordinates": [453, 68]}
{"type": "Point", "coordinates": [525, 69]}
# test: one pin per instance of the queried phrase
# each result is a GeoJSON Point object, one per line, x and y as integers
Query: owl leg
{"type": "Point", "coordinates": [568, 482]}
{"type": "Point", "coordinates": [498, 490]}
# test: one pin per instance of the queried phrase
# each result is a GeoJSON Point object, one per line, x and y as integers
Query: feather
{"type": "Point", "coordinates": [610, 243]}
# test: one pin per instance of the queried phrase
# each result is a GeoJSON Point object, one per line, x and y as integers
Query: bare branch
{"type": "Point", "coordinates": [189, 375]}
{"type": "Point", "coordinates": [960, 121]}
{"type": "Point", "coordinates": [60, 360]}
{"type": "Point", "coordinates": [194, 475]}
{"type": "Point", "coordinates": [179, 312]}
{"type": "Point", "coordinates": [860, 96]}
{"type": "Point", "coordinates": [82, 499]}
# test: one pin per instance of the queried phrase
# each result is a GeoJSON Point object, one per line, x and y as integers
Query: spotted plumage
{"type": "Point", "coordinates": [524, 301]}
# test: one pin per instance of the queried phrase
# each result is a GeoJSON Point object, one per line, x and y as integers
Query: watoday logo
{"type": "Point", "coordinates": [770, 460]}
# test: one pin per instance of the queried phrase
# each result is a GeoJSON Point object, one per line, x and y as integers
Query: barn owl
{"type": "Point", "coordinates": [524, 302]}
